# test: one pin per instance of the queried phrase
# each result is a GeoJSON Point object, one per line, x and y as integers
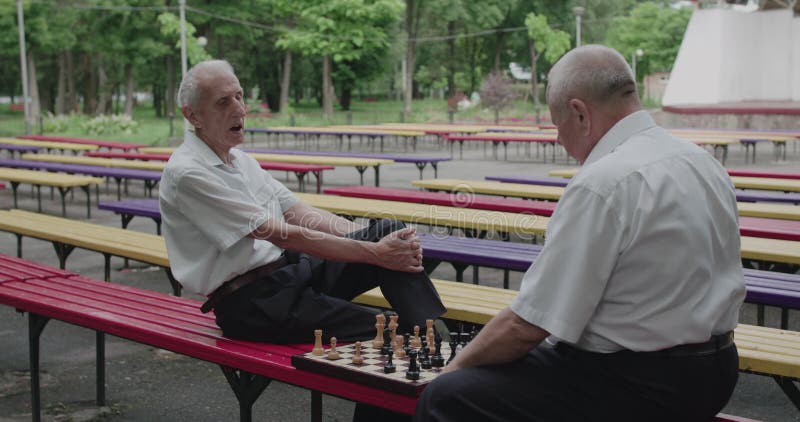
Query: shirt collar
{"type": "Point", "coordinates": [202, 150]}
{"type": "Point", "coordinates": [630, 125]}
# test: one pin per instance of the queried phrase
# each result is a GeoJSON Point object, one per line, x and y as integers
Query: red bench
{"type": "Point", "coordinates": [483, 202]}
{"type": "Point", "coordinates": [174, 324]}
{"type": "Point", "coordinates": [165, 322]}
{"type": "Point", "coordinates": [100, 143]}
{"type": "Point", "coordinates": [768, 174]}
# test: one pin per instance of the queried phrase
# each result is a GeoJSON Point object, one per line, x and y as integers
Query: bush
{"type": "Point", "coordinates": [60, 123]}
{"type": "Point", "coordinates": [107, 125]}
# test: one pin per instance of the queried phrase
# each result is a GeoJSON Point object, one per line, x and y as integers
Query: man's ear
{"type": "Point", "coordinates": [581, 112]}
{"type": "Point", "coordinates": [189, 114]}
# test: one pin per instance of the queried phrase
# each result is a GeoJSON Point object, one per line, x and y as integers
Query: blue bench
{"type": "Point", "coordinates": [150, 178]}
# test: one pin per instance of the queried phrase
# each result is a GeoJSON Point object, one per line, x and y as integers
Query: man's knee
{"type": "Point", "coordinates": [439, 400]}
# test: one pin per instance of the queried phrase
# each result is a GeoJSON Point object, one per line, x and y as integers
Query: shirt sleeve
{"type": "Point", "coordinates": [564, 286]}
{"type": "Point", "coordinates": [223, 214]}
{"type": "Point", "coordinates": [285, 197]}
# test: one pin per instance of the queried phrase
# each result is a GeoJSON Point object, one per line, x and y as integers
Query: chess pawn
{"type": "Point", "coordinates": [357, 359]}
{"type": "Point", "coordinates": [389, 367]}
{"type": "Point", "coordinates": [379, 325]}
{"type": "Point", "coordinates": [333, 354]}
{"type": "Point", "coordinates": [387, 341]}
{"type": "Point", "coordinates": [398, 348]}
{"type": "Point", "coordinates": [416, 343]}
{"type": "Point", "coordinates": [393, 324]}
{"type": "Point", "coordinates": [317, 350]}
{"type": "Point", "coordinates": [413, 368]}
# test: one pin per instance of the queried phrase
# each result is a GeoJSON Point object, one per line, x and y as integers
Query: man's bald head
{"type": "Point", "coordinates": [596, 74]}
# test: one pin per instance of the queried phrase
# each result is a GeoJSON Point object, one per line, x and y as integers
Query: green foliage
{"type": "Point", "coordinates": [110, 125]}
{"type": "Point", "coordinates": [656, 29]}
{"type": "Point", "coordinates": [553, 43]}
{"type": "Point", "coordinates": [171, 30]}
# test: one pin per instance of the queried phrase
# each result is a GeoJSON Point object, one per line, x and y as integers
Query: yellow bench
{"type": "Point", "coordinates": [66, 235]}
{"type": "Point", "coordinates": [468, 219]}
{"type": "Point", "coordinates": [63, 146]}
{"type": "Point", "coordinates": [64, 183]}
{"type": "Point", "coordinates": [97, 161]}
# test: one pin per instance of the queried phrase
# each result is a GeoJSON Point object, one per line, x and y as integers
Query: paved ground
{"type": "Point", "coordinates": [153, 385]}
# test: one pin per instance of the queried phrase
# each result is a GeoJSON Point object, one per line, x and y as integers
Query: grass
{"type": "Point", "coordinates": [151, 130]}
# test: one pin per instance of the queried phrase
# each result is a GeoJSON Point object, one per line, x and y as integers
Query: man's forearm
{"type": "Point", "coordinates": [320, 220]}
{"type": "Point", "coordinates": [317, 243]}
{"type": "Point", "coordinates": [506, 338]}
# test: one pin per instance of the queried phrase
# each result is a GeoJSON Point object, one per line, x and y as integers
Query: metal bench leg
{"type": "Point", "coordinates": [100, 373]}
{"type": "Point", "coordinates": [316, 406]}
{"type": "Point", "coordinates": [760, 314]}
{"type": "Point", "coordinates": [247, 387]}
{"type": "Point", "coordinates": [420, 167]}
{"type": "Point", "coordinates": [459, 270]}
{"type": "Point", "coordinates": [19, 245]}
{"type": "Point", "coordinates": [361, 170]}
{"type": "Point", "coordinates": [14, 186]}
{"type": "Point", "coordinates": [475, 269]}
{"type": "Point", "coordinates": [62, 251]}
{"type": "Point", "coordinates": [377, 175]}
{"type": "Point", "coordinates": [36, 324]}
{"type": "Point", "coordinates": [784, 318]}
{"type": "Point", "coordinates": [176, 287]}
{"type": "Point", "coordinates": [63, 192]}
{"type": "Point", "coordinates": [39, 200]}
{"type": "Point", "coordinates": [789, 388]}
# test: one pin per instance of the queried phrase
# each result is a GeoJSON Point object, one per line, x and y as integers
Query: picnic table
{"type": "Point", "coordinates": [544, 139]}
{"type": "Point", "coordinates": [49, 146]}
{"type": "Point", "coordinates": [21, 149]}
{"type": "Point", "coordinates": [342, 132]}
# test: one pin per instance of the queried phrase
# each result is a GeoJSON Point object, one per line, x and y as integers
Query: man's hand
{"type": "Point", "coordinates": [400, 251]}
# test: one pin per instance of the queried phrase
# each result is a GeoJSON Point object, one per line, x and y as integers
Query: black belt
{"type": "Point", "coordinates": [713, 345]}
{"type": "Point", "coordinates": [240, 281]}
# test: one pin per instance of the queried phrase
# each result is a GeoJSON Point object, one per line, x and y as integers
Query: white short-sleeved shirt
{"type": "Point", "coordinates": [208, 209]}
{"type": "Point", "coordinates": [642, 251]}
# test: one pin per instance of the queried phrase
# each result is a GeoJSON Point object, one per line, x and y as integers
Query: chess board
{"type": "Point", "coordinates": [370, 372]}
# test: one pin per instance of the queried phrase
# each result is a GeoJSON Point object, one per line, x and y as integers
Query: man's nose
{"type": "Point", "coordinates": [241, 108]}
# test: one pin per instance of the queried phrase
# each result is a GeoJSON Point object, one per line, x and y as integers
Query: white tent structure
{"type": "Point", "coordinates": [728, 56]}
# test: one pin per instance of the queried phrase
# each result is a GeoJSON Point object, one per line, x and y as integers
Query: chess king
{"type": "Point", "coordinates": [274, 268]}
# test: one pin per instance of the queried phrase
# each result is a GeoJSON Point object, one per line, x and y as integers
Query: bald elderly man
{"type": "Point", "coordinates": [273, 268]}
{"type": "Point", "coordinates": [628, 312]}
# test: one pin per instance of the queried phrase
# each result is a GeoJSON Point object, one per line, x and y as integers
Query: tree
{"type": "Point", "coordinates": [553, 43]}
{"type": "Point", "coordinates": [657, 30]}
{"type": "Point", "coordinates": [340, 31]}
{"type": "Point", "coordinates": [497, 94]}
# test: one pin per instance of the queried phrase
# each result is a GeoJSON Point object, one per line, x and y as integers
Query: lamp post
{"type": "Point", "coordinates": [23, 66]}
{"type": "Point", "coordinates": [578, 11]}
{"type": "Point", "coordinates": [634, 57]}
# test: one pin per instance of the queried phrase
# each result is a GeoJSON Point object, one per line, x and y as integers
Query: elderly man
{"type": "Point", "coordinates": [273, 268]}
{"type": "Point", "coordinates": [637, 288]}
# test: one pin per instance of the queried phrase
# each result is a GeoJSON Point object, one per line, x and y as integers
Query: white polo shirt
{"type": "Point", "coordinates": [208, 209]}
{"type": "Point", "coordinates": [642, 251]}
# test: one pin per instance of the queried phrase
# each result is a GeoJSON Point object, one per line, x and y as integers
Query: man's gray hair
{"type": "Point", "coordinates": [189, 91]}
{"type": "Point", "coordinates": [593, 72]}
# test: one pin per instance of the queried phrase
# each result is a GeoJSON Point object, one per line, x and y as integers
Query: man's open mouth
{"type": "Point", "coordinates": [236, 128]}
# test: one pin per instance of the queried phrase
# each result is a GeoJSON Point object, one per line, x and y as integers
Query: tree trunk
{"type": "Point", "coordinates": [498, 48]}
{"type": "Point", "coordinates": [344, 100]}
{"type": "Point", "coordinates": [534, 78]}
{"type": "Point", "coordinates": [102, 87]}
{"type": "Point", "coordinates": [169, 95]}
{"type": "Point", "coordinates": [327, 87]}
{"type": "Point", "coordinates": [71, 99]}
{"type": "Point", "coordinates": [33, 90]}
{"type": "Point", "coordinates": [129, 89]}
{"type": "Point", "coordinates": [157, 99]}
{"type": "Point", "coordinates": [89, 85]}
{"type": "Point", "coordinates": [451, 65]}
{"type": "Point", "coordinates": [285, 81]}
{"type": "Point", "coordinates": [411, 45]}
{"type": "Point", "coordinates": [61, 87]}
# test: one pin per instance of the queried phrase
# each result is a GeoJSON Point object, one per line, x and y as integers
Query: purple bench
{"type": "Point", "coordinates": [743, 195]}
{"type": "Point", "coordinates": [764, 288]}
{"type": "Point", "coordinates": [150, 178]}
{"type": "Point", "coordinates": [13, 148]}
{"type": "Point", "coordinates": [420, 161]}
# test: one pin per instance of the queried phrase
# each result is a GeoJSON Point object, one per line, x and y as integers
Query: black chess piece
{"type": "Point", "coordinates": [387, 343]}
{"type": "Point", "coordinates": [424, 359]}
{"type": "Point", "coordinates": [413, 369]}
{"type": "Point", "coordinates": [389, 367]}
{"type": "Point", "coordinates": [407, 343]}
{"type": "Point", "coordinates": [454, 341]}
{"type": "Point", "coordinates": [437, 361]}
{"type": "Point", "coordinates": [473, 333]}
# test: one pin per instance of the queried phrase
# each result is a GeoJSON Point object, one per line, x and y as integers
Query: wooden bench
{"type": "Point", "coordinates": [372, 134]}
{"type": "Point", "coordinates": [165, 322]}
{"type": "Point", "coordinates": [360, 164]}
{"type": "Point", "coordinates": [483, 202]}
{"type": "Point", "coordinates": [150, 178]}
{"type": "Point", "coordinates": [63, 182]}
{"type": "Point", "coordinates": [49, 146]}
{"type": "Point", "coordinates": [176, 324]}
{"type": "Point", "coordinates": [544, 139]}
{"type": "Point", "coordinates": [82, 141]}
{"type": "Point", "coordinates": [21, 149]}
{"type": "Point", "coordinates": [767, 174]}
{"type": "Point", "coordinates": [299, 170]}
{"type": "Point", "coordinates": [96, 161]}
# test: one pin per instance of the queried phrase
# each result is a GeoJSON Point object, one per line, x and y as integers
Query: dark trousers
{"type": "Point", "coordinates": [312, 293]}
{"type": "Point", "coordinates": [562, 383]}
